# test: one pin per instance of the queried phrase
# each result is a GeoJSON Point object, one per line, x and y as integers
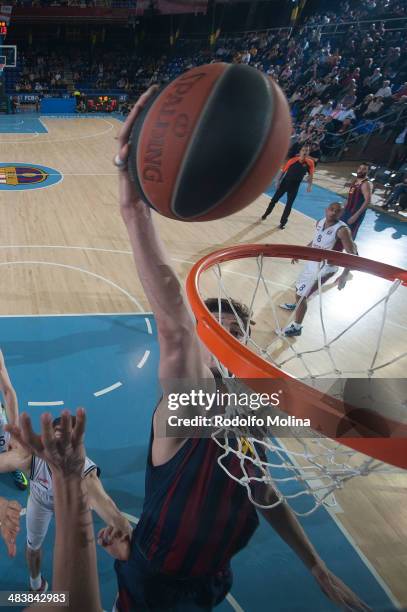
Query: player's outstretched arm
{"type": "Point", "coordinates": [16, 459]}
{"type": "Point", "coordinates": [9, 394]}
{"type": "Point", "coordinates": [105, 507]}
{"type": "Point", "coordinates": [345, 236]}
{"type": "Point", "coordinates": [180, 351]}
{"type": "Point", "coordinates": [75, 568]}
{"type": "Point", "coordinates": [285, 523]}
{"type": "Point", "coordinates": [9, 523]}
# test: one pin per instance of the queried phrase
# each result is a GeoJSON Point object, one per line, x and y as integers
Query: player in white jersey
{"type": "Point", "coordinates": [327, 232]}
{"type": "Point", "coordinates": [9, 414]}
{"type": "Point", "coordinates": [40, 505]}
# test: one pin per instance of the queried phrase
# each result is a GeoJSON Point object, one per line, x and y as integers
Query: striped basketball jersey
{"type": "Point", "coordinates": [356, 198]}
{"type": "Point", "coordinates": [195, 517]}
{"type": "Point", "coordinates": [41, 487]}
{"type": "Point", "coordinates": [4, 435]}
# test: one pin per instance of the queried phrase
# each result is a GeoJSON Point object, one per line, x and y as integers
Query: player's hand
{"type": "Point", "coordinates": [336, 590]}
{"type": "Point", "coordinates": [121, 525]}
{"type": "Point", "coordinates": [352, 219]}
{"type": "Point", "coordinates": [129, 194]}
{"type": "Point", "coordinates": [115, 543]}
{"type": "Point", "coordinates": [309, 188]}
{"type": "Point", "coordinates": [9, 523]}
{"type": "Point", "coordinates": [342, 280]}
{"type": "Point", "coordinates": [64, 453]}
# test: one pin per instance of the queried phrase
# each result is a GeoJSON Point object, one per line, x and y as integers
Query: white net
{"type": "Point", "coordinates": [351, 346]}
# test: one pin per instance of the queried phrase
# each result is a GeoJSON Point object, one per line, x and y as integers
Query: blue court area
{"type": "Point", "coordinates": [69, 359]}
{"type": "Point", "coordinates": [22, 123]}
{"type": "Point", "coordinates": [380, 236]}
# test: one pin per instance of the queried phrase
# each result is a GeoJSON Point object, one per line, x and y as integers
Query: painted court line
{"type": "Point", "coordinates": [332, 513]}
{"type": "Point", "coordinates": [143, 359]}
{"type": "Point", "coordinates": [232, 601]}
{"type": "Point", "coordinates": [148, 323]}
{"type": "Point", "coordinates": [77, 269]}
{"type": "Point", "coordinates": [79, 314]}
{"type": "Point", "coordinates": [59, 403]}
{"type": "Point", "coordinates": [108, 389]}
{"type": "Point", "coordinates": [366, 561]}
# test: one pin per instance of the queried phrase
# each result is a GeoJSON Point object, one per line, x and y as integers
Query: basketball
{"type": "Point", "coordinates": [209, 143]}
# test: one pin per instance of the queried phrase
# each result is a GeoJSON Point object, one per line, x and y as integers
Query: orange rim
{"type": "Point", "coordinates": [301, 399]}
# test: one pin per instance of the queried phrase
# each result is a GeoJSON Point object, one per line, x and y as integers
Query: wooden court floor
{"type": "Point", "coordinates": [64, 249]}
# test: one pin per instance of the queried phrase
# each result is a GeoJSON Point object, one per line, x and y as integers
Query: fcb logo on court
{"type": "Point", "coordinates": [16, 176]}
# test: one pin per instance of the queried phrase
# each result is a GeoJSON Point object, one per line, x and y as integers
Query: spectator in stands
{"type": "Point", "coordinates": [342, 114]}
{"type": "Point", "coordinates": [373, 108]}
{"type": "Point", "coordinates": [399, 150]}
{"type": "Point", "coordinates": [371, 82]}
{"type": "Point", "coordinates": [384, 91]}
{"type": "Point", "coordinates": [246, 57]}
{"type": "Point", "coordinates": [401, 91]}
{"type": "Point", "coordinates": [366, 69]}
{"type": "Point", "coordinates": [398, 191]}
{"type": "Point", "coordinates": [349, 98]}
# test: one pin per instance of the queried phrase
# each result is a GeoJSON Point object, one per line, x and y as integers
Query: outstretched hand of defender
{"type": "Point", "coordinates": [9, 523]}
{"type": "Point", "coordinates": [63, 452]}
{"type": "Point", "coordinates": [129, 195]}
{"type": "Point", "coordinates": [336, 590]}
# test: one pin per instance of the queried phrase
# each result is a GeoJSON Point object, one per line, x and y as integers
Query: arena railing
{"type": "Point", "coordinates": [327, 28]}
{"type": "Point", "coordinates": [352, 135]}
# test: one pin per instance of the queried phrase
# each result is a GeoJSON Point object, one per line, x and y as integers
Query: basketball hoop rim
{"type": "Point", "coordinates": [245, 364]}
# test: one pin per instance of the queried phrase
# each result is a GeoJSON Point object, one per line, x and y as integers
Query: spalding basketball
{"type": "Point", "coordinates": [210, 142]}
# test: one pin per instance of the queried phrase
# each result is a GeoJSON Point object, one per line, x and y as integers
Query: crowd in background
{"type": "Point", "coordinates": [335, 81]}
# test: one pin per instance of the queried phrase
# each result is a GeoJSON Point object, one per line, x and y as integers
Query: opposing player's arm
{"type": "Point", "coordinates": [104, 506]}
{"type": "Point", "coordinates": [345, 236]}
{"type": "Point", "coordinates": [15, 459]}
{"type": "Point", "coordinates": [9, 523]}
{"type": "Point", "coordinates": [9, 394]}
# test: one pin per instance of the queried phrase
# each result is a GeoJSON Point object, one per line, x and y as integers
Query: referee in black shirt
{"type": "Point", "coordinates": [292, 174]}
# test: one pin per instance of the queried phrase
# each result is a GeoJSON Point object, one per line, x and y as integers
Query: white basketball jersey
{"type": "Point", "coordinates": [325, 237]}
{"type": "Point", "coordinates": [41, 479]}
{"type": "Point", "coordinates": [4, 435]}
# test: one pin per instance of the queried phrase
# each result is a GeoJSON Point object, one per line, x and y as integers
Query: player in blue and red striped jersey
{"type": "Point", "coordinates": [195, 517]}
{"type": "Point", "coordinates": [359, 197]}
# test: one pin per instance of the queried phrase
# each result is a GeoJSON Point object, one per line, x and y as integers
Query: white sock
{"type": "Point", "coordinates": [35, 583]}
{"type": "Point", "coordinates": [297, 325]}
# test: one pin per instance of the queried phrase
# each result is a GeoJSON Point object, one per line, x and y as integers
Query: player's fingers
{"type": "Point", "coordinates": [137, 108]}
{"type": "Point", "coordinates": [104, 536]}
{"type": "Point", "coordinates": [13, 519]}
{"type": "Point", "coordinates": [29, 437]}
{"type": "Point", "coordinates": [78, 431]}
{"type": "Point", "coordinates": [124, 152]}
{"type": "Point", "coordinates": [47, 431]}
{"type": "Point", "coordinates": [11, 548]}
{"type": "Point", "coordinates": [16, 433]}
{"type": "Point", "coordinates": [66, 428]}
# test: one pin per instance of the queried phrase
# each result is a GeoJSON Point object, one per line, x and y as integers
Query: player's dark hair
{"type": "Point", "coordinates": [241, 310]}
{"type": "Point", "coordinates": [57, 421]}
{"type": "Point", "coordinates": [363, 163]}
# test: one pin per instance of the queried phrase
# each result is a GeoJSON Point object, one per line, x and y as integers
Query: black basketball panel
{"type": "Point", "coordinates": [226, 142]}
